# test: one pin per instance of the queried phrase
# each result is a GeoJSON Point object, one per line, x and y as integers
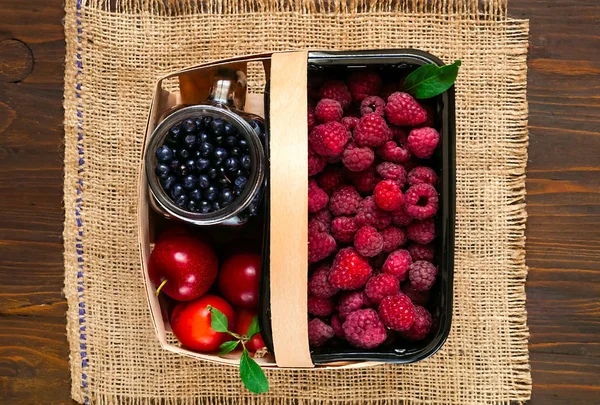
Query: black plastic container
{"type": "Point", "coordinates": [389, 63]}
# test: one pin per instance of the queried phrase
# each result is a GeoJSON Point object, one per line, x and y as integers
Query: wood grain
{"type": "Point", "coordinates": [563, 233]}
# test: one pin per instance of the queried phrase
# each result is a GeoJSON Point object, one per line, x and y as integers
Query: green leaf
{"type": "Point", "coordinates": [218, 320]}
{"type": "Point", "coordinates": [254, 328]}
{"type": "Point", "coordinates": [228, 347]}
{"type": "Point", "coordinates": [252, 375]}
{"type": "Point", "coordinates": [430, 80]}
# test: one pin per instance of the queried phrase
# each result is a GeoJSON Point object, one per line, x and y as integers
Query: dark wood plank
{"type": "Point", "coordinates": [563, 233]}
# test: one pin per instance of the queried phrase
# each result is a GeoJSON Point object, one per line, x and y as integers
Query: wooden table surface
{"type": "Point", "coordinates": [563, 194]}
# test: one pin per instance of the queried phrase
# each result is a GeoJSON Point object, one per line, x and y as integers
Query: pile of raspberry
{"type": "Point", "coordinates": [372, 200]}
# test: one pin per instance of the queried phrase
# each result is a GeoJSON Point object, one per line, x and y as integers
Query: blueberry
{"type": "Point", "coordinates": [226, 197]}
{"type": "Point", "coordinates": [190, 141]}
{"type": "Point", "coordinates": [183, 154]}
{"type": "Point", "coordinates": [203, 181]}
{"type": "Point", "coordinates": [235, 152]}
{"type": "Point", "coordinates": [182, 170]}
{"type": "Point", "coordinates": [170, 140]}
{"type": "Point", "coordinates": [223, 182]}
{"type": "Point", "coordinates": [162, 170]}
{"type": "Point", "coordinates": [206, 121]}
{"type": "Point", "coordinates": [204, 207]}
{"type": "Point", "coordinates": [243, 173]}
{"type": "Point", "coordinates": [220, 153]}
{"type": "Point", "coordinates": [232, 164]}
{"type": "Point", "coordinates": [181, 200]}
{"type": "Point", "coordinates": [217, 126]}
{"type": "Point", "coordinates": [168, 182]}
{"type": "Point", "coordinates": [189, 182]}
{"type": "Point", "coordinates": [191, 165]}
{"type": "Point", "coordinates": [229, 129]}
{"type": "Point", "coordinates": [189, 125]}
{"type": "Point", "coordinates": [164, 154]}
{"type": "Point", "coordinates": [243, 144]}
{"type": "Point", "coordinates": [219, 139]}
{"type": "Point", "coordinates": [206, 149]}
{"type": "Point", "coordinates": [216, 206]}
{"type": "Point", "coordinates": [174, 164]}
{"type": "Point", "coordinates": [202, 137]}
{"type": "Point", "coordinates": [240, 182]}
{"type": "Point", "coordinates": [175, 133]}
{"type": "Point", "coordinates": [198, 122]}
{"type": "Point", "coordinates": [211, 193]}
{"type": "Point", "coordinates": [246, 162]}
{"type": "Point", "coordinates": [257, 126]}
{"type": "Point", "coordinates": [176, 190]}
{"type": "Point", "coordinates": [197, 154]}
{"type": "Point", "coordinates": [219, 162]}
{"type": "Point", "coordinates": [192, 206]}
{"type": "Point", "coordinates": [202, 165]}
{"type": "Point", "coordinates": [221, 171]}
{"type": "Point", "coordinates": [195, 195]}
{"type": "Point", "coordinates": [212, 173]}
{"type": "Point", "coordinates": [231, 141]}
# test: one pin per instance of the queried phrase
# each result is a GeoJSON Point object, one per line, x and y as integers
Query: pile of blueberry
{"type": "Point", "coordinates": [204, 163]}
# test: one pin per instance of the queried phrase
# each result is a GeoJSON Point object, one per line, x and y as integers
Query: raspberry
{"type": "Point", "coordinates": [392, 171]}
{"type": "Point", "coordinates": [388, 195]}
{"type": "Point", "coordinates": [422, 275]}
{"type": "Point", "coordinates": [394, 153]}
{"type": "Point", "coordinates": [397, 264]}
{"type": "Point", "coordinates": [336, 90]}
{"type": "Point", "coordinates": [372, 130]}
{"type": "Point", "coordinates": [421, 252]}
{"type": "Point", "coordinates": [417, 297]}
{"type": "Point", "coordinates": [421, 201]}
{"type": "Point", "coordinates": [357, 158]}
{"type": "Point", "coordinates": [400, 135]}
{"type": "Point", "coordinates": [350, 302]}
{"type": "Point", "coordinates": [317, 198]}
{"type": "Point", "coordinates": [364, 329]}
{"type": "Point", "coordinates": [320, 306]}
{"type": "Point", "coordinates": [320, 243]}
{"type": "Point", "coordinates": [329, 139]}
{"type": "Point", "coordinates": [349, 122]}
{"type": "Point", "coordinates": [330, 179]}
{"type": "Point", "coordinates": [319, 286]}
{"type": "Point", "coordinates": [368, 242]}
{"type": "Point", "coordinates": [312, 120]}
{"type": "Point", "coordinates": [422, 174]}
{"type": "Point", "coordinates": [325, 217]}
{"type": "Point", "coordinates": [431, 110]}
{"type": "Point", "coordinates": [423, 141]}
{"type": "Point", "coordinates": [421, 232]}
{"type": "Point", "coordinates": [403, 110]}
{"type": "Point", "coordinates": [397, 312]}
{"type": "Point", "coordinates": [372, 105]}
{"type": "Point", "coordinates": [365, 181]}
{"type": "Point", "coordinates": [328, 110]}
{"type": "Point", "coordinates": [336, 324]}
{"type": "Point", "coordinates": [343, 229]}
{"type": "Point", "coordinates": [364, 84]}
{"type": "Point", "coordinates": [380, 286]}
{"type": "Point", "coordinates": [319, 332]}
{"type": "Point", "coordinates": [344, 201]}
{"type": "Point", "coordinates": [316, 163]}
{"type": "Point", "coordinates": [400, 218]}
{"type": "Point", "coordinates": [421, 326]}
{"type": "Point", "coordinates": [393, 238]}
{"type": "Point", "coordinates": [349, 270]}
{"type": "Point", "coordinates": [369, 213]}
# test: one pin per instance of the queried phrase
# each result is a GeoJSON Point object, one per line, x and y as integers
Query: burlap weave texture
{"type": "Point", "coordinates": [115, 52]}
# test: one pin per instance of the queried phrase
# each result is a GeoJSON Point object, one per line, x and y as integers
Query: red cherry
{"type": "Point", "coordinates": [183, 266]}
{"type": "Point", "coordinates": [191, 321]}
{"type": "Point", "coordinates": [239, 280]}
{"type": "Point", "coordinates": [244, 319]}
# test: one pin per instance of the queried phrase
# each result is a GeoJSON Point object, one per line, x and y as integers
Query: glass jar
{"type": "Point", "coordinates": [226, 100]}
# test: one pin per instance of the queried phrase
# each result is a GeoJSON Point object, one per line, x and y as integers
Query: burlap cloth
{"type": "Point", "coordinates": [115, 52]}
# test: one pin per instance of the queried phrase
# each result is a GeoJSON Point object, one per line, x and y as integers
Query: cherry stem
{"type": "Point", "coordinates": [160, 287]}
